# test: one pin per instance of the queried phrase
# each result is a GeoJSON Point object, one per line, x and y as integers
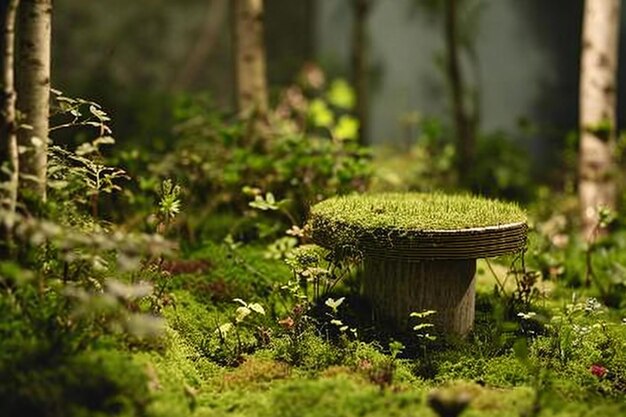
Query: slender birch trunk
{"type": "Point", "coordinates": [33, 88]}
{"type": "Point", "coordinates": [360, 69]}
{"type": "Point", "coordinates": [465, 123]}
{"type": "Point", "coordinates": [249, 57]}
{"type": "Point", "coordinates": [9, 164]}
{"type": "Point", "coordinates": [598, 80]}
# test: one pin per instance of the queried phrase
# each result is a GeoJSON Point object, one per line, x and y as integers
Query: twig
{"type": "Point", "coordinates": [495, 276]}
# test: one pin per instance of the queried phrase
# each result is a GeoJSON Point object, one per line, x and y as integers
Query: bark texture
{"type": "Point", "coordinates": [9, 164]}
{"type": "Point", "coordinates": [33, 88]}
{"type": "Point", "coordinates": [360, 67]}
{"type": "Point", "coordinates": [249, 59]}
{"type": "Point", "coordinates": [398, 288]}
{"type": "Point", "coordinates": [597, 185]}
{"type": "Point", "coordinates": [464, 121]}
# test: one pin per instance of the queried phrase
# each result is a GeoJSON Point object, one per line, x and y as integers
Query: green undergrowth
{"type": "Point", "coordinates": [323, 373]}
{"type": "Point", "coordinates": [416, 212]}
{"type": "Point", "coordinates": [229, 273]}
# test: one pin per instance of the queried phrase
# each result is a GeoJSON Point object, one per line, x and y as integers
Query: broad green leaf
{"type": "Point", "coordinates": [341, 94]}
{"type": "Point", "coordinates": [347, 128]}
{"type": "Point", "coordinates": [320, 114]}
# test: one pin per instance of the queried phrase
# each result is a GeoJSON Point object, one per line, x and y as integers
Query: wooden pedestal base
{"type": "Point", "coordinates": [398, 288]}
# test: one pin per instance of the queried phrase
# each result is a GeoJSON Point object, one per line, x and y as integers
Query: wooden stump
{"type": "Point", "coordinates": [397, 288]}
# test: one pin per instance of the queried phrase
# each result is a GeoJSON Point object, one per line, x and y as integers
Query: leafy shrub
{"type": "Point", "coordinates": [73, 289]}
{"type": "Point", "coordinates": [306, 151]}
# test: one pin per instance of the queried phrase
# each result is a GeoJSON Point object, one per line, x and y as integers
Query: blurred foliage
{"type": "Point", "coordinates": [305, 151]}
{"type": "Point", "coordinates": [76, 290]}
{"type": "Point", "coordinates": [502, 166]}
{"type": "Point", "coordinates": [101, 319]}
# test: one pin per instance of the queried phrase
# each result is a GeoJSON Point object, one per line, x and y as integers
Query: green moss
{"type": "Point", "coordinates": [175, 376]}
{"type": "Point", "coordinates": [244, 272]}
{"type": "Point", "coordinates": [97, 383]}
{"type": "Point", "coordinates": [338, 396]}
{"type": "Point", "coordinates": [418, 226]}
{"type": "Point", "coordinates": [417, 212]}
{"type": "Point", "coordinates": [306, 256]}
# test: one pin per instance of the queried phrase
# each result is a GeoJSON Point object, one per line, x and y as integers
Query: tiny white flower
{"type": "Point", "coordinates": [527, 316]}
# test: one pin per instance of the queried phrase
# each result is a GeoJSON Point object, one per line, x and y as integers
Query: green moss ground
{"type": "Point", "coordinates": [343, 380]}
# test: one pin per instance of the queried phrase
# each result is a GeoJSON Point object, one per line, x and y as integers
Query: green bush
{"type": "Point", "coordinates": [302, 153]}
{"type": "Point", "coordinates": [99, 383]}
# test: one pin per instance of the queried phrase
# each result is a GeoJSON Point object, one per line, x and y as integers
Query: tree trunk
{"type": "Point", "coordinates": [249, 57]}
{"type": "Point", "coordinates": [203, 46]}
{"type": "Point", "coordinates": [597, 166]}
{"type": "Point", "coordinates": [33, 89]}
{"type": "Point", "coordinates": [360, 68]}
{"type": "Point", "coordinates": [8, 123]}
{"type": "Point", "coordinates": [397, 288]}
{"type": "Point", "coordinates": [465, 125]}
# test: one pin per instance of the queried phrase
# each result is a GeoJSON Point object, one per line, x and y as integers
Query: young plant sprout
{"type": "Point", "coordinates": [419, 250]}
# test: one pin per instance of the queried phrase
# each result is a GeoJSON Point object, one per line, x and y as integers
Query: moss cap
{"type": "Point", "coordinates": [417, 226]}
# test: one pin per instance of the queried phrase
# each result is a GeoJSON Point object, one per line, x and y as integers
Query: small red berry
{"type": "Point", "coordinates": [598, 370]}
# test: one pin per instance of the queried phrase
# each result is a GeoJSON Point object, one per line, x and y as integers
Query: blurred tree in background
{"type": "Point", "coordinates": [598, 106]}
{"type": "Point", "coordinates": [249, 57]}
{"type": "Point", "coordinates": [9, 159]}
{"type": "Point", "coordinates": [361, 66]}
{"type": "Point", "coordinates": [33, 92]}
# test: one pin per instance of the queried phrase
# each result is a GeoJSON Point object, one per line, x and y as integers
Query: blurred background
{"type": "Point", "coordinates": [520, 61]}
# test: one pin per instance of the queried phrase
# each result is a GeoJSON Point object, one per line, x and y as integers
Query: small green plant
{"type": "Point", "coordinates": [233, 340]}
{"type": "Point", "coordinates": [317, 271]}
{"type": "Point", "coordinates": [606, 216]}
{"type": "Point", "coordinates": [382, 371]}
{"type": "Point", "coordinates": [569, 330]}
{"type": "Point", "coordinates": [297, 326]}
{"type": "Point", "coordinates": [421, 329]}
{"type": "Point", "coordinates": [333, 315]}
{"type": "Point", "coordinates": [81, 175]}
{"type": "Point", "coordinates": [169, 205]}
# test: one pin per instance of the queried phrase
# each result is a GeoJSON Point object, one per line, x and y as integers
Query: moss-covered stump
{"type": "Point", "coordinates": [420, 250]}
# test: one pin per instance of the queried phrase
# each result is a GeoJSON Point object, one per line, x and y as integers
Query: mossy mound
{"type": "Point", "coordinates": [419, 226]}
{"type": "Point", "coordinates": [418, 211]}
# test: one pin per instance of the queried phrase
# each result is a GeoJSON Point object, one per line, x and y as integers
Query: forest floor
{"type": "Point", "coordinates": [250, 370]}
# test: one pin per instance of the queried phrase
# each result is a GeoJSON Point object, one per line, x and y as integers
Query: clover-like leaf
{"type": "Point", "coordinates": [257, 308]}
{"type": "Point", "coordinates": [422, 314]}
{"type": "Point", "coordinates": [336, 322]}
{"type": "Point", "coordinates": [241, 313]}
{"type": "Point", "coordinates": [334, 304]}
{"type": "Point", "coordinates": [422, 326]}
{"type": "Point", "coordinates": [224, 328]}
{"type": "Point", "coordinates": [240, 301]}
